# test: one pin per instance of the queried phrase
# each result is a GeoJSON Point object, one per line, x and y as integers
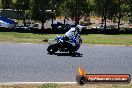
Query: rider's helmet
{"type": "Point", "coordinates": [79, 28]}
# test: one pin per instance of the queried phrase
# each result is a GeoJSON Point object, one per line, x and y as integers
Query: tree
{"type": "Point", "coordinates": [56, 7]}
{"type": "Point", "coordinates": [76, 9]}
{"type": "Point", "coordinates": [129, 3]}
{"type": "Point", "coordinates": [7, 4]}
{"type": "Point", "coordinates": [102, 8]}
{"type": "Point", "coordinates": [21, 6]}
{"type": "Point", "coordinates": [112, 9]}
{"type": "Point", "coordinates": [39, 10]}
{"type": "Point", "coordinates": [122, 9]}
{"type": "Point", "coordinates": [0, 4]}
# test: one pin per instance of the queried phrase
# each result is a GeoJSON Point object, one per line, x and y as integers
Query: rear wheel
{"type": "Point", "coordinates": [81, 80]}
{"type": "Point", "coordinates": [72, 52]}
{"type": "Point", "coordinates": [72, 49]}
{"type": "Point", "coordinates": [52, 48]}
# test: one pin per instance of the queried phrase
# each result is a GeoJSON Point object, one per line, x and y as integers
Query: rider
{"type": "Point", "coordinates": [73, 32]}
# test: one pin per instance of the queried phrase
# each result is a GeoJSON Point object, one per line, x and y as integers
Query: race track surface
{"type": "Point", "coordinates": [31, 63]}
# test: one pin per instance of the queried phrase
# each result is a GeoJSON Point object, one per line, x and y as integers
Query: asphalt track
{"type": "Point", "coordinates": [31, 63]}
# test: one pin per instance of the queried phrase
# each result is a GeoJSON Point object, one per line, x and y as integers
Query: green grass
{"type": "Point", "coordinates": [49, 86]}
{"type": "Point", "coordinates": [122, 39]}
{"type": "Point", "coordinates": [23, 37]}
{"type": "Point", "coordinates": [97, 86]}
{"type": "Point", "coordinates": [14, 37]}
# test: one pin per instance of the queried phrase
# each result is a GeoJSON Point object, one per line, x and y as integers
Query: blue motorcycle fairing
{"type": "Point", "coordinates": [74, 40]}
{"type": "Point", "coordinates": [61, 38]}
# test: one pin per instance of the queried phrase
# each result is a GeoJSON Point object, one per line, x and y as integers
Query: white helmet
{"type": "Point", "coordinates": [79, 28]}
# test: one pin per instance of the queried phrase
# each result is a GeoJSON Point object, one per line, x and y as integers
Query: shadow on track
{"type": "Point", "coordinates": [68, 54]}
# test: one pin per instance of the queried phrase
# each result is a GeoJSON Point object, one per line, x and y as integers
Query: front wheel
{"type": "Point", "coordinates": [52, 48]}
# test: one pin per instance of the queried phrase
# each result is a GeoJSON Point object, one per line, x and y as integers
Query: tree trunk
{"type": "Point", "coordinates": [24, 22]}
{"type": "Point", "coordinates": [52, 21]}
{"type": "Point", "coordinates": [102, 17]}
{"type": "Point", "coordinates": [64, 20]}
{"type": "Point", "coordinates": [42, 24]}
{"type": "Point", "coordinates": [105, 18]}
{"type": "Point", "coordinates": [105, 23]}
{"type": "Point", "coordinates": [77, 20]}
{"type": "Point", "coordinates": [119, 21]}
{"type": "Point", "coordinates": [119, 17]}
{"type": "Point", "coordinates": [77, 16]}
{"type": "Point", "coordinates": [105, 14]}
{"type": "Point", "coordinates": [24, 18]}
{"type": "Point", "coordinates": [102, 21]}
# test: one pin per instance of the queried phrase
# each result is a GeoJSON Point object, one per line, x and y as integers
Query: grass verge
{"type": "Point", "coordinates": [14, 37]}
{"type": "Point", "coordinates": [122, 39]}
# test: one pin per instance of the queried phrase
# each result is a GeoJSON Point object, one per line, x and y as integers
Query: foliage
{"type": "Point", "coordinates": [7, 4]}
{"type": "Point", "coordinates": [22, 4]}
{"type": "Point", "coordinates": [107, 9]}
{"type": "Point", "coordinates": [39, 10]}
{"type": "Point", "coordinates": [77, 8]}
{"type": "Point", "coordinates": [113, 9]}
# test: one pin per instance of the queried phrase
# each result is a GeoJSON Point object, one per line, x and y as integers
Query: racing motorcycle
{"type": "Point", "coordinates": [59, 44]}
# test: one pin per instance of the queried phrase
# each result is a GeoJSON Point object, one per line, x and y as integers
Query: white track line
{"type": "Point", "coordinates": [39, 83]}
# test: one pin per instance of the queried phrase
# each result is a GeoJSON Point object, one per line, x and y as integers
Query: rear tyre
{"type": "Point", "coordinates": [81, 80]}
{"type": "Point", "coordinates": [52, 49]}
{"type": "Point", "coordinates": [72, 50]}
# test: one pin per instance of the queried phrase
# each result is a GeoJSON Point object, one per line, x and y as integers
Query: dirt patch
{"type": "Point", "coordinates": [21, 86]}
{"type": "Point", "coordinates": [98, 86]}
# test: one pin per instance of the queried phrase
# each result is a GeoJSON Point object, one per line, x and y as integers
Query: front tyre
{"type": "Point", "coordinates": [52, 49]}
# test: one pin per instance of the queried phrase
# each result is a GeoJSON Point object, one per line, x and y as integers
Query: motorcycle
{"type": "Point", "coordinates": [59, 44]}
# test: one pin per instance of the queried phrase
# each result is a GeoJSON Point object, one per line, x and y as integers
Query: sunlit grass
{"type": "Point", "coordinates": [122, 39]}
